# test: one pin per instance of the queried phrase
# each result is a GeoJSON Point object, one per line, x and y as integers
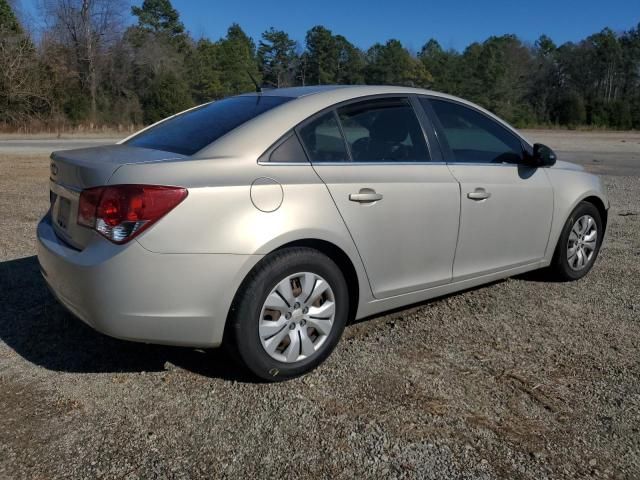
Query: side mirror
{"type": "Point", "coordinates": [543, 156]}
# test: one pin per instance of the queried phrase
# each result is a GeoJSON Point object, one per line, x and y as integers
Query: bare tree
{"type": "Point", "coordinates": [87, 28]}
{"type": "Point", "coordinates": [21, 92]}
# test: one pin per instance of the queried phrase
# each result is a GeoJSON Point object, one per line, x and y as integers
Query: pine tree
{"type": "Point", "coordinates": [277, 58]}
{"type": "Point", "coordinates": [8, 20]}
{"type": "Point", "coordinates": [159, 16]}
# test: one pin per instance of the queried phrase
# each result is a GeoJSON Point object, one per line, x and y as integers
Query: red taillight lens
{"type": "Point", "coordinates": [88, 205]}
{"type": "Point", "coordinates": [120, 212]}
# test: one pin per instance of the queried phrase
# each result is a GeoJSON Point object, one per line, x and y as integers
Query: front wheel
{"type": "Point", "coordinates": [579, 243]}
{"type": "Point", "coordinates": [289, 314]}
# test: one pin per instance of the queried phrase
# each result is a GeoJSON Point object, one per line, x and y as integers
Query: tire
{"type": "Point", "coordinates": [258, 317]}
{"type": "Point", "coordinates": [565, 267]}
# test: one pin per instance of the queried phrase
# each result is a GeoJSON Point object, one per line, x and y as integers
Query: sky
{"type": "Point", "coordinates": [454, 23]}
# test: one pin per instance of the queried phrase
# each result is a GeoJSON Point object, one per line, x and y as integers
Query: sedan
{"type": "Point", "coordinates": [266, 222]}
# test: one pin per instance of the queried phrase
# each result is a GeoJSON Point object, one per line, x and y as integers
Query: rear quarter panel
{"type": "Point", "coordinates": [219, 216]}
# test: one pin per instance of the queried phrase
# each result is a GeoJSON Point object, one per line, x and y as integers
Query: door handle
{"type": "Point", "coordinates": [478, 194]}
{"type": "Point", "coordinates": [366, 195]}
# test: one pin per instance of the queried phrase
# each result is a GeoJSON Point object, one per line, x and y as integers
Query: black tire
{"type": "Point", "coordinates": [242, 335]}
{"type": "Point", "coordinates": [560, 268]}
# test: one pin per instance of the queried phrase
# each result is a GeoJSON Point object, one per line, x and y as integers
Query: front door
{"type": "Point", "coordinates": [506, 206]}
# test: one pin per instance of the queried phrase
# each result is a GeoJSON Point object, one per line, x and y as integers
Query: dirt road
{"type": "Point", "coordinates": [605, 153]}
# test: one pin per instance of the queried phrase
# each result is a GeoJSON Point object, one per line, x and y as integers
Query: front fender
{"type": "Point", "coordinates": [570, 187]}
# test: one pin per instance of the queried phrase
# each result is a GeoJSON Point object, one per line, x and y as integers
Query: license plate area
{"type": "Point", "coordinates": [64, 212]}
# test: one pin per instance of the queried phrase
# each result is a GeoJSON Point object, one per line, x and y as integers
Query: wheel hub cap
{"type": "Point", "coordinates": [582, 242]}
{"type": "Point", "coordinates": [297, 317]}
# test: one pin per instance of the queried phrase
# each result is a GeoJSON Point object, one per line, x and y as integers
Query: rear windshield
{"type": "Point", "coordinates": [192, 131]}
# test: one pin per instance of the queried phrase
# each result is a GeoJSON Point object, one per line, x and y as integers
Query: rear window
{"type": "Point", "coordinates": [192, 131]}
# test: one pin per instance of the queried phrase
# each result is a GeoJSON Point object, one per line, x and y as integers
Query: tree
{"type": "Point", "coordinates": [630, 95]}
{"type": "Point", "coordinates": [392, 64]}
{"type": "Point", "coordinates": [331, 59]}
{"type": "Point", "coordinates": [443, 66]}
{"type": "Point", "coordinates": [158, 16]}
{"type": "Point", "coordinates": [322, 56]}
{"type": "Point", "coordinates": [158, 21]}
{"type": "Point", "coordinates": [545, 46]}
{"type": "Point", "coordinates": [121, 101]}
{"type": "Point", "coordinates": [496, 75]}
{"type": "Point", "coordinates": [86, 28]}
{"type": "Point", "coordinates": [351, 62]}
{"type": "Point", "coordinates": [85, 69]}
{"type": "Point", "coordinates": [277, 58]}
{"type": "Point", "coordinates": [8, 21]}
{"type": "Point", "coordinates": [545, 81]}
{"type": "Point", "coordinates": [302, 68]}
{"type": "Point", "coordinates": [570, 109]}
{"type": "Point", "coordinates": [22, 92]}
{"type": "Point", "coordinates": [159, 53]}
{"type": "Point", "coordinates": [167, 95]}
{"type": "Point", "coordinates": [606, 63]}
{"type": "Point", "coordinates": [204, 74]}
{"type": "Point", "coordinates": [237, 60]}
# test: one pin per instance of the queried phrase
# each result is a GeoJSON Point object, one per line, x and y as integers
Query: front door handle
{"type": "Point", "coordinates": [478, 194]}
{"type": "Point", "coordinates": [366, 195]}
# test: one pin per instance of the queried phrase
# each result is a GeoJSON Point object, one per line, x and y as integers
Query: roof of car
{"type": "Point", "coordinates": [356, 90]}
{"type": "Point", "coordinates": [296, 92]}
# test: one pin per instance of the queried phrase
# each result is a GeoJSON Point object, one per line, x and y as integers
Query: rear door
{"type": "Point", "coordinates": [506, 206]}
{"type": "Point", "coordinates": [400, 207]}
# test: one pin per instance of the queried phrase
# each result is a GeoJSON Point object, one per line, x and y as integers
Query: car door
{"type": "Point", "coordinates": [401, 208]}
{"type": "Point", "coordinates": [506, 205]}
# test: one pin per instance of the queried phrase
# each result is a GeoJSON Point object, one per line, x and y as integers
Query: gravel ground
{"type": "Point", "coordinates": [518, 379]}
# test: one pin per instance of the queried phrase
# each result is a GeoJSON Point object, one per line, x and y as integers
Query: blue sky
{"type": "Point", "coordinates": [454, 23]}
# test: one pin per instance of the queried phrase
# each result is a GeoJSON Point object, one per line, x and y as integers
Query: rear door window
{"type": "Point", "coordinates": [323, 140]}
{"type": "Point", "coordinates": [383, 130]}
{"type": "Point", "coordinates": [191, 131]}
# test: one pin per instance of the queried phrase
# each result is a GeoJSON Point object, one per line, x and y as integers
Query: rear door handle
{"type": "Point", "coordinates": [478, 194]}
{"type": "Point", "coordinates": [366, 195]}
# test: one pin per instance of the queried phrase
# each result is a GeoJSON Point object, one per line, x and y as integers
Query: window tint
{"type": "Point", "coordinates": [473, 137]}
{"type": "Point", "coordinates": [323, 140]}
{"type": "Point", "coordinates": [288, 151]}
{"type": "Point", "coordinates": [192, 131]}
{"type": "Point", "coordinates": [383, 130]}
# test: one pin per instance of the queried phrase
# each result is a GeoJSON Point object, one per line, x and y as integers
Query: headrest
{"type": "Point", "coordinates": [390, 126]}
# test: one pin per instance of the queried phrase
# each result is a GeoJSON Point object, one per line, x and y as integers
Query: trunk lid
{"type": "Point", "coordinates": [75, 170]}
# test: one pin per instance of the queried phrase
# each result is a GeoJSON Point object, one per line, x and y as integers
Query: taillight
{"type": "Point", "coordinates": [120, 212]}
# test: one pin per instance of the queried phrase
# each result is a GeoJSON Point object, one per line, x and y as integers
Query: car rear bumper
{"type": "Point", "coordinates": [128, 292]}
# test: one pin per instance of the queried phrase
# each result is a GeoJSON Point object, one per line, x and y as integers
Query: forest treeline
{"type": "Point", "coordinates": [90, 66]}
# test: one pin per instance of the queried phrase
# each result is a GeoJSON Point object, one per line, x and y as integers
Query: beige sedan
{"type": "Point", "coordinates": [270, 220]}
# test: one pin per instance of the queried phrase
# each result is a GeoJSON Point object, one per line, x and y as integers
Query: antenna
{"type": "Point", "coordinates": [258, 87]}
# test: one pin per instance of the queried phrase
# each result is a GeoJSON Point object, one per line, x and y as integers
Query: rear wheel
{"type": "Point", "coordinates": [579, 243]}
{"type": "Point", "coordinates": [289, 314]}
